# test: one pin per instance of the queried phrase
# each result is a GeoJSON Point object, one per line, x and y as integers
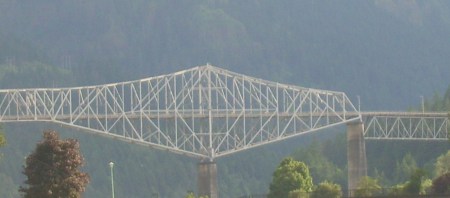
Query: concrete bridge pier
{"type": "Point", "coordinates": [356, 155]}
{"type": "Point", "coordinates": [207, 179]}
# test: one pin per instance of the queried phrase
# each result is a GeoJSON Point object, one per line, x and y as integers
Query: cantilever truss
{"type": "Point", "coordinates": [407, 125]}
{"type": "Point", "coordinates": [204, 112]}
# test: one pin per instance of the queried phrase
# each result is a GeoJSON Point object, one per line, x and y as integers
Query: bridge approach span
{"type": "Point", "coordinates": [406, 125]}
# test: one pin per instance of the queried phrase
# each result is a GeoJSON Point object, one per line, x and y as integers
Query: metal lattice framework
{"type": "Point", "coordinates": [407, 125]}
{"type": "Point", "coordinates": [204, 112]}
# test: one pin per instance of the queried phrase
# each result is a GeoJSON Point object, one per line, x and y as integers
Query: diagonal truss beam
{"type": "Point", "coordinates": [206, 112]}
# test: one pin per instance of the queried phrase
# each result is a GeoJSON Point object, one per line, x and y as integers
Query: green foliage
{"type": "Point", "coordinates": [327, 190]}
{"type": "Point", "coordinates": [442, 165]}
{"type": "Point", "coordinates": [2, 139]}
{"type": "Point", "coordinates": [190, 195]}
{"type": "Point", "coordinates": [290, 175]}
{"type": "Point", "coordinates": [397, 190]}
{"type": "Point", "coordinates": [391, 158]}
{"type": "Point", "coordinates": [426, 186]}
{"type": "Point", "coordinates": [52, 169]}
{"type": "Point", "coordinates": [367, 187]}
{"type": "Point", "coordinates": [415, 184]}
{"type": "Point", "coordinates": [441, 185]}
{"type": "Point", "coordinates": [298, 194]}
{"type": "Point", "coordinates": [317, 157]}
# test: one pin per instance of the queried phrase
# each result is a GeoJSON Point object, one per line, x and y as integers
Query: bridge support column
{"type": "Point", "coordinates": [356, 155]}
{"type": "Point", "coordinates": [207, 179]}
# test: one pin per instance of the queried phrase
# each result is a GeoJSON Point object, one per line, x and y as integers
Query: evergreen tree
{"type": "Point", "coordinates": [52, 169]}
{"type": "Point", "coordinates": [405, 168]}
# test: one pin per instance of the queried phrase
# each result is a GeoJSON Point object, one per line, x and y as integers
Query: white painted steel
{"type": "Point", "coordinates": [206, 111]}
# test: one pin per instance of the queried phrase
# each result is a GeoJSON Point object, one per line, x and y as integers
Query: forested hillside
{"type": "Point", "coordinates": [387, 52]}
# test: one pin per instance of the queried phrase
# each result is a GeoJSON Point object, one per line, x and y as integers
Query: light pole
{"type": "Point", "coordinates": [111, 165]}
{"type": "Point", "coordinates": [423, 104]}
{"type": "Point", "coordinates": [359, 103]}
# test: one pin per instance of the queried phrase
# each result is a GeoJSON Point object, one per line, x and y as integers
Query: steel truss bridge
{"type": "Point", "coordinates": [208, 112]}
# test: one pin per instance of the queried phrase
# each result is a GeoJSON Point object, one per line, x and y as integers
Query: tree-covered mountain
{"type": "Point", "coordinates": [388, 52]}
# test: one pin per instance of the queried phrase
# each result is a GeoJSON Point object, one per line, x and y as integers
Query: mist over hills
{"type": "Point", "coordinates": [387, 52]}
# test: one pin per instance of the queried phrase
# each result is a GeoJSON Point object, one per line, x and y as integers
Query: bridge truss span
{"type": "Point", "coordinates": [407, 125]}
{"type": "Point", "coordinates": [205, 111]}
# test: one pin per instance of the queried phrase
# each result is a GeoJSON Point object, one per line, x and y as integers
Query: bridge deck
{"type": "Point", "coordinates": [225, 114]}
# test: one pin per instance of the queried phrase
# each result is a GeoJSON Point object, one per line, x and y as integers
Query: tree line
{"type": "Point", "coordinates": [292, 179]}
